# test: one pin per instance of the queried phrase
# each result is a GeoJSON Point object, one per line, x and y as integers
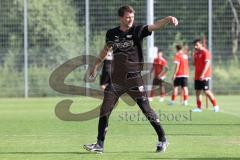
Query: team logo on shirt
{"type": "Point", "coordinates": [141, 88]}
{"type": "Point", "coordinates": [129, 36]}
{"type": "Point", "coordinates": [116, 39]}
{"type": "Point", "coordinates": [123, 43]}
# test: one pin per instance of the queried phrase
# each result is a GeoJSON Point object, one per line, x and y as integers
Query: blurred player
{"type": "Point", "coordinates": [180, 75]}
{"type": "Point", "coordinates": [105, 77]}
{"type": "Point", "coordinates": [159, 70]}
{"type": "Point", "coordinates": [202, 62]}
{"type": "Point", "coordinates": [126, 43]}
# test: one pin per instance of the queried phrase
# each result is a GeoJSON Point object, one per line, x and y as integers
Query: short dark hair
{"type": "Point", "coordinates": [160, 49]}
{"type": "Point", "coordinates": [178, 47]}
{"type": "Point", "coordinates": [124, 9]}
{"type": "Point", "coordinates": [198, 40]}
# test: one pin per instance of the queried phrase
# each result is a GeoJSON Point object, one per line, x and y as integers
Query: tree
{"type": "Point", "coordinates": [11, 31]}
{"type": "Point", "coordinates": [235, 27]}
{"type": "Point", "coordinates": [53, 32]}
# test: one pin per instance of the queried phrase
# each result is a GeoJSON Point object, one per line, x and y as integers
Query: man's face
{"type": "Point", "coordinates": [160, 54]}
{"type": "Point", "coordinates": [198, 46]}
{"type": "Point", "coordinates": [127, 19]}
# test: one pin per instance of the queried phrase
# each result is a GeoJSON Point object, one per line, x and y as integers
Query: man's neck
{"type": "Point", "coordinates": [201, 48]}
{"type": "Point", "coordinates": [180, 51]}
{"type": "Point", "coordinates": [123, 28]}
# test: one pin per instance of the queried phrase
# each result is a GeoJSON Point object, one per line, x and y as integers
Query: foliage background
{"type": "Point", "coordinates": [56, 33]}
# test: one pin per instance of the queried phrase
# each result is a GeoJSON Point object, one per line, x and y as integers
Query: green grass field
{"type": "Point", "coordinates": [29, 130]}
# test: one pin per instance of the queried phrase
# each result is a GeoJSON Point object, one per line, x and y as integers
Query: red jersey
{"type": "Point", "coordinates": [182, 60]}
{"type": "Point", "coordinates": [158, 65]}
{"type": "Point", "coordinates": [200, 58]}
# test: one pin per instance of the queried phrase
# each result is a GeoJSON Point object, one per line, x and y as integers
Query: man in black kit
{"type": "Point", "coordinates": [126, 43]}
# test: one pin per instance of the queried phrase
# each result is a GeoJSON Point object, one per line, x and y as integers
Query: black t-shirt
{"type": "Point", "coordinates": [127, 47]}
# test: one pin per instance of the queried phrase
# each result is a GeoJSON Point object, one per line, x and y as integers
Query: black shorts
{"type": "Point", "coordinates": [157, 81]}
{"type": "Point", "coordinates": [180, 81]}
{"type": "Point", "coordinates": [105, 77]}
{"type": "Point", "coordinates": [201, 85]}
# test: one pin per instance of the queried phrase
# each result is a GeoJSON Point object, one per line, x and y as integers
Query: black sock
{"type": "Point", "coordinates": [152, 117]}
{"type": "Point", "coordinates": [100, 143]}
{"type": "Point", "coordinates": [160, 132]}
{"type": "Point", "coordinates": [102, 128]}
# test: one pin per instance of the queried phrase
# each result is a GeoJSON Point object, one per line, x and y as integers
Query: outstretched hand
{"type": "Point", "coordinates": [162, 23]}
{"type": "Point", "coordinates": [173, 20]}
{"type": "Point", "coordinates": [90, 75]}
